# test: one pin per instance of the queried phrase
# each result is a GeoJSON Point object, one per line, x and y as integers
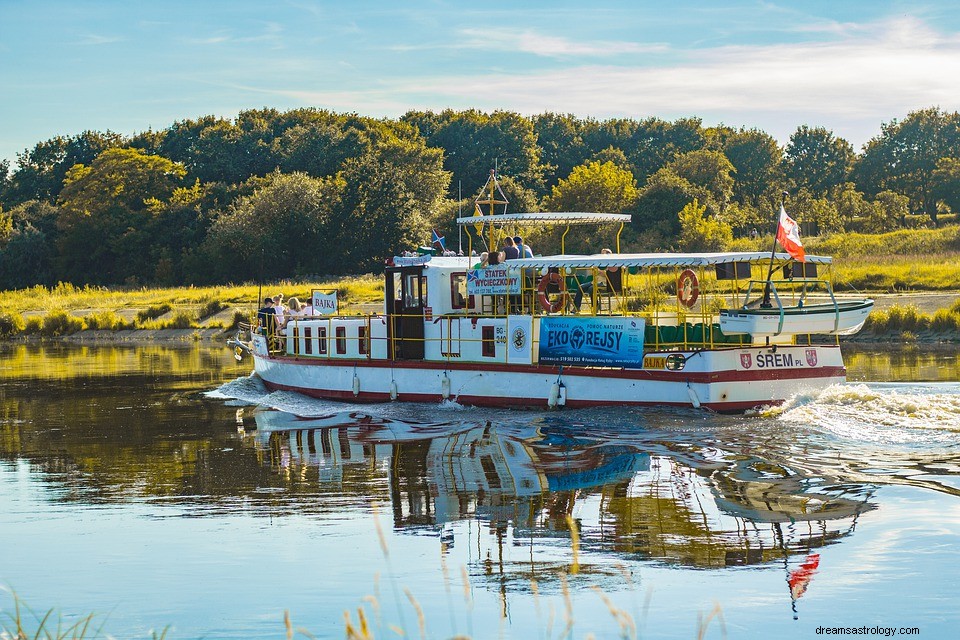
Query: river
{"type": "Point", "coordinates": [163, 490]}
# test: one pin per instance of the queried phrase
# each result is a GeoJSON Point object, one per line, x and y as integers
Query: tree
{"type": "Point", "coordinates": [477, 142]}
{"type": "Point", "coordinates": [104, 209]}
{"type": "Point", "coordinates": [904, 157]}
{"type": "Point", "coordinates": [595, 187]}
{"type": "Point", "coordinates": [756, 159]}
{"type": "Point", "coordinates": [392, 194]}
{"type": "Point", "coordinates": [561, 145]}
{"type": "Point", "coordinates": [663, 197]}
{"type": "Point", "coordinates": [710, 170]}
{"type": "Point", "coordinates": [888, 212]}
{"type": "Point", "coordinates": [42, 170]}
{"type": "Point", "coordinates": [700, 232]}
{"type": "Point", "coordinates": [817, 161]}
{"type": "Point", "coordinates": [946, 182]}
{"type": "Point", "coordinates": [283, 229]}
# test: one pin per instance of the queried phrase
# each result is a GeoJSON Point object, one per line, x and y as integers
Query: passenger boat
{"type": "Point", "coordinates": [680, 329]}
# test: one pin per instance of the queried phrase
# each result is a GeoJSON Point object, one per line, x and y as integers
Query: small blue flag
{"type": "Point", "coordinates": [439, 239]}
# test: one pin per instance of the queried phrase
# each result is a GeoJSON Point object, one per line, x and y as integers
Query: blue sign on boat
{"type": "Point", "coordinates": [592, 342]}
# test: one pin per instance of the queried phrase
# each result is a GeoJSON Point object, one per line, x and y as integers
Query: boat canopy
{"type": "Point", "coordinates": [547, 217]}
{"type": "Point", "coordinates": [604, 260]}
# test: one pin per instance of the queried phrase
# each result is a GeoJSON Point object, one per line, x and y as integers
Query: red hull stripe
{"type": "Point", "coordinates": [729, 375]}
{"type": "Point", "coordinates": [526, 403]}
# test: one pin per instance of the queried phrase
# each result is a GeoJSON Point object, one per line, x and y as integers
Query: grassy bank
{"type": "Point", "coordinates": [65, 309]}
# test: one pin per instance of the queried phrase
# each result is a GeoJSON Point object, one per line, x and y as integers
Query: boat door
{"type": "Point", "coordinates": [406, 293]}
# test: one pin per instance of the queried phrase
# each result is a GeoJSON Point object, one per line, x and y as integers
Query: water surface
{"type": "Point", "coordinates": [129, 492]}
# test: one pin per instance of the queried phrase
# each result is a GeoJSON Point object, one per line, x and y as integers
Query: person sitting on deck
{"type": "Point", "coordinates": [267, 318]}
{"type": "Point", "coordinates": [583, 284]}
{"type": "Point", "coordinates": [524, 249]}
{"type": "Point", "coordinates": [510, 251]}
{"type": "Point", "coordinates": [483, 261]}
{"type": "Point", "coordinates": [295, 310]}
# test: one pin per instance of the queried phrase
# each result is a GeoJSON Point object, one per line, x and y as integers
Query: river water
{"type": "Point", "coordinates": [161, 489]}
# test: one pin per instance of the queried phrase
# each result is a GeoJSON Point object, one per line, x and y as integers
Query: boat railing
{"type": "Point", "coordinates": [367, 337]}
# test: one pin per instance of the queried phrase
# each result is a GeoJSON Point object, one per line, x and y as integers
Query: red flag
{"type": "Point", "coordinates": [800, 579]}
{"type": "Point", "coordinates": [788, 235]}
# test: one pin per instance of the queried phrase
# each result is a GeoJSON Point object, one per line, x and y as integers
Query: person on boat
{"type": "Point", "coordinates": [510, 251]}
{"type": "Point", "coordinates": [524, 249]}
{"type": "Point", "coordinates": [279, 309]}
{"type": "Point", "coordinates": [483, 261]}
{"type": "Point", "coordinates": [494, 258]}
{"type": "Point", "coordinates": [583, 284]}
{"type": "Point", "coordinates": [294, 311]}
{"type": "Point", "coordinates": [614, 275]}
{"type": "Point", "coordinates": [267, 318]}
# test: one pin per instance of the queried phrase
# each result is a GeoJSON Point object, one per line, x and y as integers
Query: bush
{"type": "Point", "coordinates": [106, 320]}
{"type": "Point", "coordinates": [11, 323]}
{"type": "Point", "coordinates": [60, 323]}
{"type": "Point", "coordinates": [33, 326]}
{"type": "Point", "coordinates": [153, 312]}
{"type": "Point", "coordinates": [180, 320]}
{"type": "Point", "coordinates": [209, 308]}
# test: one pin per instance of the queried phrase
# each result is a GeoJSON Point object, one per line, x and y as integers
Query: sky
{"type": "Point", "coordinates": [129, 66]}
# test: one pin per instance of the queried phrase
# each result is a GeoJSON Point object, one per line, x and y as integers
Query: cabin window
{"type": "Point", "coordinates": [414, 291]}
{"type": "Point", "coordinates": [458, 291]}
{"type": "Point", "coordinates": [341, 340]}
{"type": "Point", "coordinates": [363, 342]}
{"type": "Point", "coordinates": [308, 341]}
{"type": "Point", "coordinates": [322, 340]}
{"type": "Point", "coordinates": [488, 348]}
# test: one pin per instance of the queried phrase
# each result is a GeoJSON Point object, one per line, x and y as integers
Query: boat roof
{"type": "Point", "coordinates": [604, 260]}
{"type": "Point", "coordinates": [546, 217]}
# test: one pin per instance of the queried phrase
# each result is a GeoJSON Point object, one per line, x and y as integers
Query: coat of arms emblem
{"type": "Point", "coordinates": [812, 357]}
{"type": "Point", "coordinates": [746, 360]}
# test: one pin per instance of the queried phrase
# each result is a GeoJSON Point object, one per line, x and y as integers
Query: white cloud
{"type": "Point", "coordinates": [851, 84]}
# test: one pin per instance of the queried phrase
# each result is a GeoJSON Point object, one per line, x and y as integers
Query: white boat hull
{"type": "Point", "coordinates": [728, 380]}
{"type": "Point", "coordinates": [843, 321]}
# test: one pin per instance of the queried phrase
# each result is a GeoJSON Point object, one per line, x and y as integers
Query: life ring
{"type": "Point", "coordinates": [688, 288]}
{"type": "Point", "coordinates": [552, 278]}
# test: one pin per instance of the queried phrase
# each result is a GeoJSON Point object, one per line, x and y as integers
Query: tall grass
{"type": "Point", "coordinates": [908, 320]}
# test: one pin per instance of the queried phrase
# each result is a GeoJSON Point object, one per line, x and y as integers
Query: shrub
{"type": "Point", "coordinates": [60, 323]}
{"type": "Point", "coordinates": [180, 320]}
{"type": "Point", "coordinates": [153, 312]}
{"type": "Point", "coordinates": [34, 325]}
{"type": "Point", "coordinates": [209, 308]}
{"type": "Point", "coordinates": [11, 323]}
{"type": "Point", "coordinates": [106, 320]}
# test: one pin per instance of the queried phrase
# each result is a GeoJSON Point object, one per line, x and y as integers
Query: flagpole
{"type": "Point", "coordinates": [773, 251]}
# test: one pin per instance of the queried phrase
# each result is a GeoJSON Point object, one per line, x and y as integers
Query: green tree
{"type": "Point", "coordinates": [595, 187]}
{"type": "Point", "coordinates": [817, 161]}
{"type": "Point", "coordinates": [392, 195]}
{"type": "Point", "coordinates": [888, 212]}
{"type": "Point", "coordinates": [710, 170]}
{"type": "Point", "coordinates": [104, 208]}
{"type": "Point", "coordinates": [561, 145]}
{"type": "Point", "coordinates": [904, 157]}
{"type": "Point", "coordinates": [700, 232]}
{"type": "Point", "coordinates": [476, 142]}
{"type": "Point", "coordinates": [756, 158]}
{"type": "Point", "coordinates": [282, 230]}
{"type": "Point", "coordinates": [946, 182]}
{"type": "Point", "coordinates": [41, 171]}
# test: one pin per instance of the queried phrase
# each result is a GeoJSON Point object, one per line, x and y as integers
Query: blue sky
{"type": "Point", "coordinates": [127, 66]}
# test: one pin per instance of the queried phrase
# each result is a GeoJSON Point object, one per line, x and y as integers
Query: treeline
{"type": "Point", "coordinates": [308, 192]}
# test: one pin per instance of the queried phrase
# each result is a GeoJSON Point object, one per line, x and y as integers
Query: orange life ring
{"type": "Point", "coordinates": [558, 304]}
{"type": "Point", "coordinates": [688, 288]}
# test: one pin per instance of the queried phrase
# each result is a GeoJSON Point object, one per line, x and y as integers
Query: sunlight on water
{"type": "Point", "coordinates": [881, 413]}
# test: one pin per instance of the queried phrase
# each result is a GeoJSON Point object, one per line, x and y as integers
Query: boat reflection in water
{"type": "Point", "coordinates": [636, 496]}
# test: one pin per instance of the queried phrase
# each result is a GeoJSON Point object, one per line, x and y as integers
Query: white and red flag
{"type": "Point", "coordinates": [788, 235]}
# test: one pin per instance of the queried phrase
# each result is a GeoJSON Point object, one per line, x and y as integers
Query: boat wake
{"type": "Point", "coordinates": [889, 413]}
